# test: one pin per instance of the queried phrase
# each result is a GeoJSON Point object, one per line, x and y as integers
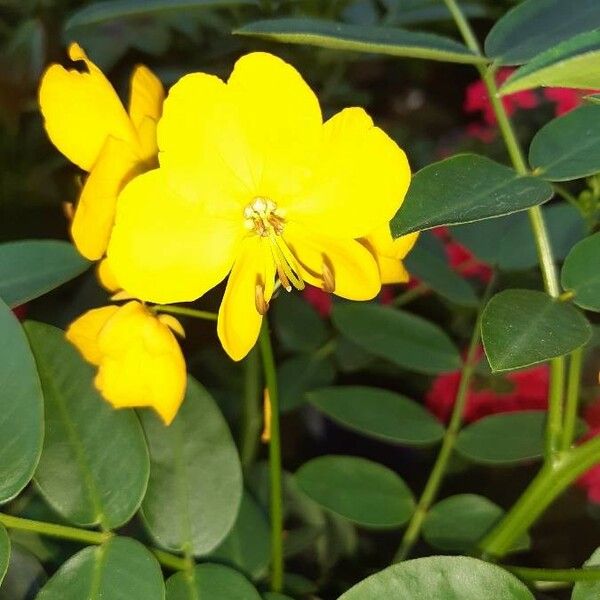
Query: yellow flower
{"type": "Point", "coordinates": [389, 253]}
{"type": "Point", "coordinates": [252, 182]}
{"type": "Point", "coordinates": [87, 122]}
{"type": "Point", "coordinates": [139, 361]}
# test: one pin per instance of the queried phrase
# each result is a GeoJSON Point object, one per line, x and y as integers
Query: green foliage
{"type": "Point", "coordinates": [456, 578]}
{"type": "Point", "coordinates": [21, 407]}
{"type": "Point", "coordinates": [567, 148]}
{"type": "Point", "coordinates": [25, 576]}
{"type": "Point", "coordinates": [534, 26]}
{"type": "Point", "coordinates": [216, 582]}
{"type": "Point", "coordinates": [195, 486]}
{"type": "Point", "coordinates": [32, 268]}
{"type": "Point", "coordinates": [580, 273]}
{"type": "Point", "coordinates": [362, 491]}
{"type": "Point", "coordinates": [375, 40]}
{"type": "Point", "coordinates": [300, 374]}
{"type": "Point", "coordinates": [379, 414]}
{"type": "Point", "coordinates": [4, 552]}
{"type": "Point", "coordinates": [572, 63]}
{"type": "Point", "coordinates": [94, 465]}
{"type": "Point", "coordinates": [463, 189]}
{"type": "Point", "coordinates": [588, 590]}
{"type": "Point", "coordinates": [457, 523]}
{"type": "Point", "coordinates": [504, 439]}
{"type": "Point", "coordinates": [428, 261]}
{"type": "Point", "coordinates": [524, 327]}
{"type": "Point", "coordinates": [117, 570]}
{"type": "Point", "coordinates": [247, 545]}
{"type": "Point", "coordinates": [408, 341]}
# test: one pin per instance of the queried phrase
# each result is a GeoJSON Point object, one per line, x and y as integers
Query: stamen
{"type": "Point", "coordinates": [262, 306]}
{"type": "Point", "coordinates": [328, 278]}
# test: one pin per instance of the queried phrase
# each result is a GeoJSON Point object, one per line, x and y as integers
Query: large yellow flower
{"type": "Point", "coordinates": [87, 122]}
{"type": "Point", "coordinates": [252, 181]}
{"type": "Point", "coordinates": [138, 358]}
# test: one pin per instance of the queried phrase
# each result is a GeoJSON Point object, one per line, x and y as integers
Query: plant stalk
{"type": "Point", "coordinates": [251, 410]}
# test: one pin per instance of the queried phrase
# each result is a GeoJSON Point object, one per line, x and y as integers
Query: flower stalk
{"type": "Point", "coordinates": [275, 474]}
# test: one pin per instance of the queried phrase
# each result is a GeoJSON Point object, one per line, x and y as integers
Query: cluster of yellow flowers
{"type": "Point", "coordinates": [240, 178]}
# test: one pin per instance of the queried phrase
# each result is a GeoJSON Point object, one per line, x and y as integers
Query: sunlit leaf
{"type": "Point", "coordinates": [580, 273]}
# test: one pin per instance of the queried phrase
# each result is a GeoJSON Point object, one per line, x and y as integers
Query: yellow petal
{"type": "Point", "coordinates": [95, 212]}
{"type": "Point", "coordinates": [382, 242]}
{"type": "Point", "coordinates": [142, 363]}
{"type": "Point", "coordinates": [81, 109]}
{"type": "Point", "coordinates": [392, 270]}
{"type": "Point", "coordinates": [83, 332]}
{"type": "Point", "coordinates": [360, 179]}
{"type": "Point", "coordinates": [281, 121]}
{"type": "Point", "coordinates": [173, 324]}
{"type": "Point", "coordinates": [352, 266]}
{"type": "Point", "coordinates": [203, 146]}
{"type": "Point", "coordinates": [165, 248]}
{"type": "Point", "coordinates": [106, 277]}
{"type": "Point", "coordinates": [239, 321]}
{"type": "Point", "coordinates": [145, 108]}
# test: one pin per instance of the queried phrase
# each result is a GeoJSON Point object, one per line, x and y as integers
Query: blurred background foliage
{"type": "Point", "coordinates": [424, 106]}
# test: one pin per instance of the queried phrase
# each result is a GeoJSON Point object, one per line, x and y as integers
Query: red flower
{"type": "Point", "coordinates": [525, 390]}
{"type": "Point", "coordinates": [566, 99]}
{"type": "Point", "coordinates": [319, 300]}
{"type": "Point", "coordinates": [590, 480]}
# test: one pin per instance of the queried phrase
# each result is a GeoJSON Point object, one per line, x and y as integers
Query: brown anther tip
{"type": "Point", "coordinates": [262, 306]}
{"type": "Point", "coordinates": [328, 279]}
{"type": "Point", "coordinates": [68, 210]}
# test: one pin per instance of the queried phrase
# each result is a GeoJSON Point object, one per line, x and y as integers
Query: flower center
{"type": "Point", "coordinates": [263, 217]}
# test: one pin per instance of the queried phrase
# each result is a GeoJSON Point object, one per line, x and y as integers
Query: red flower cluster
{"type": "Point", "coordinates": [590, 481]}
{"type": "Point", "coordinates": [525, 390]}
{"type": "Point", "coordinates": [478, 100]}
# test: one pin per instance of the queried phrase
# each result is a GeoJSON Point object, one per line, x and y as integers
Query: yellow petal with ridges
{"type": "Point", "coordinates": [165, 248]}
{"type": "Point", "coordinates": [81, 109]}
{"type": "Point", "coordinates": [95, 212]}
{"type": "Point", "coordinates": [83, 332]}
{"type": "Point", "coordinates": [142, 364]}
{"type": "Point", "coordinates": [360, 179]}
{"type": "Point", "coordinates": [352, 267]}
{"type": "Point", "coordinates": [239, 321]}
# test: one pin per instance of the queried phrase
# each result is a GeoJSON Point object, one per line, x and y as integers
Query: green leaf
{"type": "Point", "coordinates": [379, 413]}
{"type": "Point", "coordinates": [300, 374]}
{"type": "Point", "coordinates": [31, 268]}
{"type": "Point", "coordinates": [94, 465]}
{"type": "Point", "coordinates": [24, 577]}
{"type": "Point", "coordinates": [580, 273]}
{"type": "Point", "coordinates": [505, 438]}
{"type": "Point", "coordinates": [568, 148]}
{"type": "Point", "coordinates": [195, 486]}
{"type": "Point", "coordinates": [574, 63]}
{"type": "Point", "coordinates": [247, 545]}
{"type": "Point", "coordinates": [275, 596]}
{"type": "Point", "coordinates": [119, 569]}
{"type": "Point", "coordinates": [112, 10]}
{"type": "Point", "coordinates": [214, 582]}
{"type": "Point", "coordinates": [588, 590]}
{"type": "Point", "coordinates": [524, 327]}
{"type": "Point", "coordinates": [463, 189]}
{"type": "Point", "coordinates": [360, 490]}
{"type": "Point", "coordinates": [361, 38]}
{"type": "Point", "coordinates": [298, 326]}
{"type": "Point", "coordinates": [508, 244]}
{"type": "Point", "coordinates": [428, 261]}
{"type": "Point", "coordinates": [441, 578]}
{"type": "Point", "coordinates": [429, 12]}
{"type": "Point", "coordinates": [21, 408]}
{"type": "Point", "coordinates": [537, 25]}
{"type": "Point", "coordinates": [457, 523]}
{"type": "Point", "coordinates": [4, 552]}
{"type": "Point", "coordinates": [401, 337]}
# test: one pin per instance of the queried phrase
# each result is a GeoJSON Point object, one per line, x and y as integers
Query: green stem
{"type": "Point", "coordinates": [85, 536]}
{"type": "Point", "coordinates": [535, 574]}
{"type": "Point", "coordinates": [276, 501]}
{"type": "Point", "coordinates": [251, 410]}
{"type": "Point", "coordinates": [185, 311]}
{"type": "Point", "coordinates": [430, 492]}
{"type": "Point", "coordinates": [54, 530]}
{"type": "Point", "coordinates": [410, 295]}
{"type": "Point", "coordinates": [551, 481]}
{"type": "Point", "coordinates": [572, 402]}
